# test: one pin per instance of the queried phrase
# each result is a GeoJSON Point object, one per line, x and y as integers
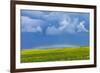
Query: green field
{"type": "Point", "coordinates": [55, 54]}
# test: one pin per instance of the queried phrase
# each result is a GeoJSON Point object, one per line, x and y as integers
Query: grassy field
{"type": "Point", "coordinates": [54, 54]}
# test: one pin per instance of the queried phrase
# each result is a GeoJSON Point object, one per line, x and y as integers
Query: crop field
{"type": "Point", "coordinates": [54, 54]}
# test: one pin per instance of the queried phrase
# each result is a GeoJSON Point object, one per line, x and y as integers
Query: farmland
{"type": "Point", "coordinates": [54, 54]}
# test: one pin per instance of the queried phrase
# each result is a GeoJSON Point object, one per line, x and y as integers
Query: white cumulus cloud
{"type": "Point", "coordinates": [68, 25]}
{"type": "Point", "coordinates": [64, 23]}
{"type": "Point", "coordinates": [81, 27]}
{"type": "Point", "coordinates": [52, 31]}
{"type": "Point", "coordinates": [31, 25]}
{"type": "Point", "coordinates": [65, 26]}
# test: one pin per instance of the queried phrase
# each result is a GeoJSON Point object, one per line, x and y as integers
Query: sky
{"type": "Point", "coordinates": [49, 28]}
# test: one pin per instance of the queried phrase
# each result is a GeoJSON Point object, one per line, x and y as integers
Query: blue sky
{"type": "Point", "coordinates": [47, 28]}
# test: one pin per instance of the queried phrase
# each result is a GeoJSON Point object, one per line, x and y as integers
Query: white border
{"type": "Point", "coordinates": [58, 63]}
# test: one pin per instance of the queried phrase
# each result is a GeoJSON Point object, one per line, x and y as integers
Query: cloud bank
{"type": "Point", "coordinates": [54, 23]}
